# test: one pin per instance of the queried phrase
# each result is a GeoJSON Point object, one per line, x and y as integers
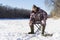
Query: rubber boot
{"type": "Point", "coordinates": [43, 29]}
{"type": "Point", "coordinates": [32, 29]}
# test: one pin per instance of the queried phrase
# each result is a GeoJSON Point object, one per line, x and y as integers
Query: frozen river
{"type": "Point", "coordinates": [15, 30]}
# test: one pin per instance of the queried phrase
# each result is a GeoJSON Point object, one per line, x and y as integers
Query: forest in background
{"type": "Point", "coordinates": [10, 12]}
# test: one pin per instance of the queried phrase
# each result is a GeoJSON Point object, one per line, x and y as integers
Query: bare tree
{"type": "Point", "coordinates": [56, 7]}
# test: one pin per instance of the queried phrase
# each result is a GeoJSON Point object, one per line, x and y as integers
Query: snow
{"type": "Point", "coordinates": [17, 29]}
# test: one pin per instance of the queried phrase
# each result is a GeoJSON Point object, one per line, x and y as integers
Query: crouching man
{"type": "Point", "coordinates": [37, 16]}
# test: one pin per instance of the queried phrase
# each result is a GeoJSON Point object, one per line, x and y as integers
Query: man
{"type": "Point", "coordinates": [37, 16]}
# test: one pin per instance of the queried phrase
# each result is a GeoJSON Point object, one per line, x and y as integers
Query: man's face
{"type": "Point", "coordinates": [34, 9]}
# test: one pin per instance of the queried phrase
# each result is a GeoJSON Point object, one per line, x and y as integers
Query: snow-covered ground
{"type": "Point", "coordinates": [17, 29]}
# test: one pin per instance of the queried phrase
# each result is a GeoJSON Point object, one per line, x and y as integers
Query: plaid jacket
{"type": "Point", "coordinates": [38, 16]}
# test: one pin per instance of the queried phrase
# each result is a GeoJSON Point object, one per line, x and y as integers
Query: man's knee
{"type": "Point", "coordinates": [43, 25]}
{"type": "Point", "coordinates": [30, 23]}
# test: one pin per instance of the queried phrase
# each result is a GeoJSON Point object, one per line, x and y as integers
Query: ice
{"type": "Point", "coordinates": [17, 29]}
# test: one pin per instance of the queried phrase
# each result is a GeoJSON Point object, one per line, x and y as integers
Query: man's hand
{"type": "Point", "coordinates": [43, 23]}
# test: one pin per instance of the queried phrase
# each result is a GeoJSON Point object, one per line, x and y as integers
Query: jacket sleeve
{"type": "Point", "coordinates": [31, 16]}
{"type": "Point", "coordinates": [45, 15]}
{"type": "Point", "coordinates": [45, 18]}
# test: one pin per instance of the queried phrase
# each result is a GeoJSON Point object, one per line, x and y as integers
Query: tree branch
{"type": "Point", "coordinates": [55, 3]}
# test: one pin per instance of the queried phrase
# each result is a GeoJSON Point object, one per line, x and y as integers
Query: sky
{"type": "Point", "coordinates": [26, 4]}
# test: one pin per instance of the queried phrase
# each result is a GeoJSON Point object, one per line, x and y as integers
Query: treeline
{"type": "Point", "coordinates": [9, 12]}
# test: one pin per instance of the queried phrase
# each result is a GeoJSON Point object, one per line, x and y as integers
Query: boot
{"type": "Point", "coordinates": [43, 28]}
{"type": "Point", "coordinates": [32, 29]}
